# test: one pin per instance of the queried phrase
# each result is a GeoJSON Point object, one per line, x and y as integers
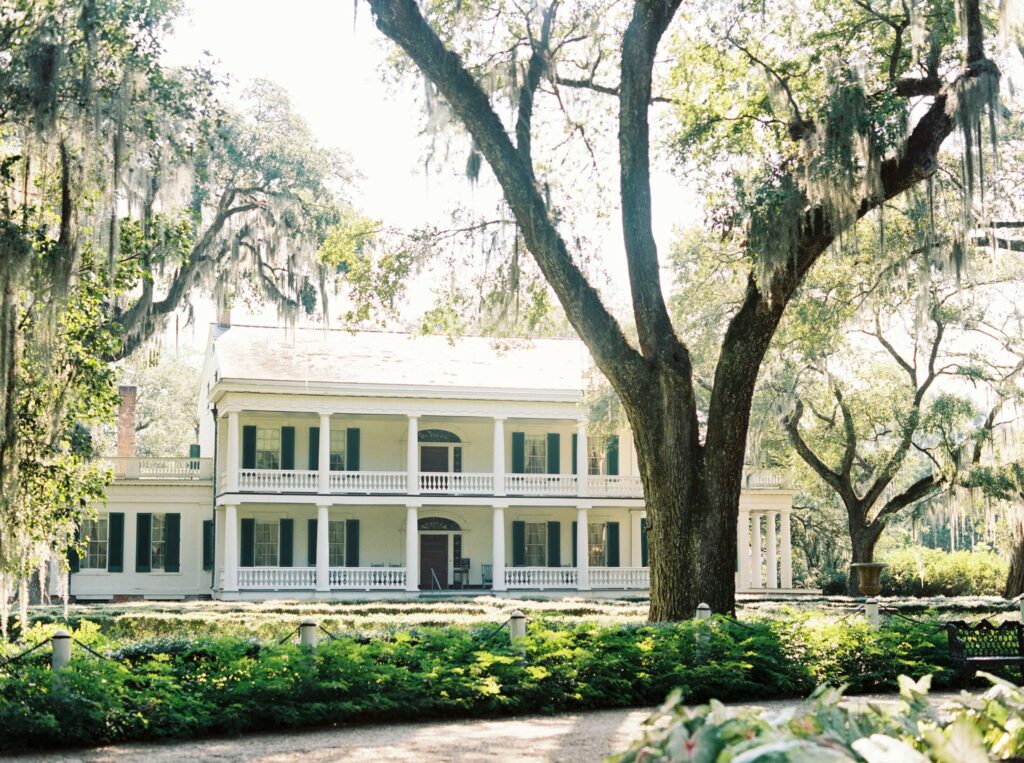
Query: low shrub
{"type": "Point", "coordinates": [919, 571]}
{"type": "Point", "coordinates": [970, 729]}
{"type": "Point", "coordinates": [182, 687]}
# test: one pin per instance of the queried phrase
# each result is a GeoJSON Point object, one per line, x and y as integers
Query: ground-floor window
{"type": "Point", "coordinates": [597, 543]}
{"type": "Point", "coordinates": [158, 541]}
{"type": "Point", "coordinates": [95, 532]}
{"type": "Point", "coordinates": [336, 542]}
{"type": "Point", "coordinates": [266, 541]}
{"type": "Point", "coordinates": [536, 544]}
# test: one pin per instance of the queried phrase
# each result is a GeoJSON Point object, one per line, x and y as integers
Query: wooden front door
{"type": "Point", "coordinates": [433, 557]}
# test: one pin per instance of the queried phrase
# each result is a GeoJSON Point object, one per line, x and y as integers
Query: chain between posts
{"type": "Point", "coordinates": [12, 660]}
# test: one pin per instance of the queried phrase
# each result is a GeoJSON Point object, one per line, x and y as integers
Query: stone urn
{"type": "Point", "coordinates": [870, 577]}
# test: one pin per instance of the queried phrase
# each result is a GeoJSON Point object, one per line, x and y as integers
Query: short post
{"type": "Point", "coordinates": [703, 611]}
{"type": "Point", "coordinates": [308, 634]}
{"type": "Point", "coordinates": [703, 617]}
{"type": "Point", "coordinates": [517, 630]}
{"type": "Point", "coordinates": [61, 643]}
{"type": "Point", "coordinates": [871, 612]}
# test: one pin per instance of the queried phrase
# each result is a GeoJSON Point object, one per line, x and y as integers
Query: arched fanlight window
{"type": "Point", "coordinates": [439, 523]}
{"type": "Point", "coordinates": [438, 435]}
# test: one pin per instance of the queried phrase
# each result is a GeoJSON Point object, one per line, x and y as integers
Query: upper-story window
{"type": "Point", "coordinates": [535, 453]}
{"type": "Point", "coordinates": [338, 438]}
{"type": "Point", "coordinates": [268, 448]}
{"type": "Point", "coordinates": [95, 531]}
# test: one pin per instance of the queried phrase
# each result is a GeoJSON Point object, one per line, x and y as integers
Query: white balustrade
{"type": "Point", "coordinates": [276, 578]}
{"type": "Point", "coordinates": [367, 482]}
{"type": "Point", "coordinates": [615, 486]}
{"type": "Point", "coordinates": [540, 484]}
{"type": "Point", "coordinates": [278, 481]}
{"type": "Point", "coordinates": [620, 577]}
{"type": "Point", "coordinates": [161, 468]}
{"type": "Point", "coordinates": [762, 478]}
{"type": "Point", "coordinates": [457, 484]}
{"type": "Point", "coordinates": [368, 578]}
{"type": "Point", "coordinates": [540, 577]}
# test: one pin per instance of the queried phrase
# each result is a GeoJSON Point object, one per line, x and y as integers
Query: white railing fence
{"type": "Point", "coordinates": [463, 483]}
{"type": "Point", "coordinates": [614, 487]}
{"type": "Point", "coordinates": [367, 482]}
{"type": "Point", "coordinates": [146, 468]}
{"type": "Point", "coordinates": [276, 578]}
{"type": "Point", "coordinates": [620, 577]}
{"type": "Point", "coordinates": [540, 577]}
{"type": "Point", "coordinates": [367, 578]}
{"type": "Point", "coordinates": [540, 484]}
{"type": "Point", "coordinates": [278, 480]}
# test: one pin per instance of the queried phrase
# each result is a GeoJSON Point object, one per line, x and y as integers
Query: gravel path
{"type": "Point", "coordinates": [566, 738]}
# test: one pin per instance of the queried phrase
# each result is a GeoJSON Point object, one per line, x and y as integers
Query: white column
{"type": "Point", "coordinates": [233, 459]}
{"type": "Point", "coordinates": [412, 548]}
{"type": "Point", "coordinates": [582, 459]}
{"type": "Point", "coordinates": [773, 545]}
{"type": "Point", "coordinates": [582, 550]}
{"type": "Point", "coordinates": [743, 549]}
{"type": "Point", "coordinates": [218, 548]}
{"type": "Point", "coordinates": [412, 458]}
{"type": "Point", "coordinates": [755, 552]}
{"type": "Point", "coordinates": [787, 551]}
{"type": "Point", "coordinates": [498, 468]}
{"type": "Point", "coordinates": [498, 550]}
{"type": "Point", "coordinates": [323, 463]}
{"type": "Point", "coordinates": [230, 548]}
{"type": "Point", "coordinates": [323, 549]}
{"type": "Point", "coordinates": [636, 552]}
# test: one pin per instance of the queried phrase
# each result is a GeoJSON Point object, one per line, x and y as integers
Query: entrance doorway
{"type": "Point", "coordinates": [433, 458]}
{"type": "Point", "coordinates": [433, 562]}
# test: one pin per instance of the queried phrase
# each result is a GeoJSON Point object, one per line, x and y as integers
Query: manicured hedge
{"type": "Point", "coordinates": [917, 571]}
{"type": "Point", "coordinates": [174, 688]}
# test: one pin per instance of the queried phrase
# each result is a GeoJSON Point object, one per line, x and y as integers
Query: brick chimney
{"type": "Point", "coordinates": [126, 420]}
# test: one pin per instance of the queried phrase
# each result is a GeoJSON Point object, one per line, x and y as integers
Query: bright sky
{"type": "Point", "coordinates": [329, 62]}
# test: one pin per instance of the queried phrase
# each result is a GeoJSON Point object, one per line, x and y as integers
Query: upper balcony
{"type": "Point", "coordinates": [170, 469]}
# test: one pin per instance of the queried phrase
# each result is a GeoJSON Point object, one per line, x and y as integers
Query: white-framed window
{"type": "Point", "coordinates": [596, 459]}
{"type": "Point", "coordinates": [158, 541]}
{"type": "Point", "coordinates": [336, 542]}
{"type": "Point", "coordinates": [597, 543]}
{"type": "Point", "coordinates": [268, 448]}
{"type": "Point", "coordinates": [535, 451]}
{"type": "Point", "coordinates": [338, 438]}
{"type": "Point", "coordinates": [266, 541]}
{"type": "Point", "coordinates": [536, 544]}
{"type": "Point", "coordinates": [95, 532]}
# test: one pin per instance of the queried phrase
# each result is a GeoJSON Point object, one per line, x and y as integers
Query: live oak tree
{"type": "Point", "coordinates": [811, 143]}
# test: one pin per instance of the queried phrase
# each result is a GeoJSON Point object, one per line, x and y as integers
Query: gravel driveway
{"type": "Point", "coordinates": [567, 737]}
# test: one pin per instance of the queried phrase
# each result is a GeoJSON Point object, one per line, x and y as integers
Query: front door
{"type": "Point", "coordinates": [433, 458]}
{"type": "Point", "coordinates": [433, 558]}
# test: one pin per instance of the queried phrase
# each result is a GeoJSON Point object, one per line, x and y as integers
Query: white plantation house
{"type": "Point", "coordinates": [333, 464]}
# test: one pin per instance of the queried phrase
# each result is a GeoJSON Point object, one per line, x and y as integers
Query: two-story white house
{"type": "Point", "coordinates": [333, 464]}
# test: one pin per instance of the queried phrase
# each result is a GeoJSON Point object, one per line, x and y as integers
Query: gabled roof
{"type": "Point", "coordinates": [315, 356]}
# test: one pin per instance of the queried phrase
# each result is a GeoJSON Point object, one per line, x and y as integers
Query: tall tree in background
{"type": "Point", "coordinates": [756, 85]}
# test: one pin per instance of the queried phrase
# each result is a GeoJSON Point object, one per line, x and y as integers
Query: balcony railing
{"type": "Point", "coordinates": [304, 578]}
{"type": "Point", "coordinates": [540, 484]}
{"type": "Point", "coordinates": [368, 482]}
{"type": "Point", "coordinates": [145, 468]}
{"type": "Point", "coordinates": [754, 479]}
{"type": "Point", "coordinates": [368, 578]}
{"type": "Point", "coordinates": [276, 578]}
{"type": "Point", "coordinates": [614, 487]}
{"type": "Point", "coordinates": [540, 577]}
{"type": "Point", "coordinates": [620, 577]}
{"type": "Point", "coordinates": [278, 481]}
{"type": "Point", "coordinates": [457, 484]}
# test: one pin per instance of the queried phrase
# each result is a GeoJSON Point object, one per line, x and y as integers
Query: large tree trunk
{"type": "Point", "coordinates": [863, 539]}
{"type": "Point", "coordinates": [1015, 578]}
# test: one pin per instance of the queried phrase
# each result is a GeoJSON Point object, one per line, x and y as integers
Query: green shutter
{"type": "Point", "coordinates": [457, 459]}
{"type": "Point", "coordinates": [611, 556]}
{"type": "Point", "coordinates": [73, 560]}
{"type": "Point", "coordinates": [518, 543]}
{"type": "Point", "coordinates": [575, 550]}
{"type": "Point", "coordinates": [193, 450]}
{"type": "Point", "coordinates": [172, 542]}
{"type": "Point", "coordinates": [644, 553]}
{"type": "Point", "coordinates": [554, 457]}
{"type": "Point", "coordinates": [352, 449]}
{"type": "Point", "coordinates": [249, 446]}
{"type": "Point", "coordinates": [287, 542]}
{"type": "Point", "coordinates": [518, 452]}
{"type": "Point", "coordinates": [288, 448]}
{"type": "Point", "coordinates": [575, 445]}
{"type": "Point", "coordinates": [115, 546]}
{"type": "Point", "coordinates": [311, 542]}
{"type": "Point", "coordinates": [248, 555]}
{"type": "Point", "coordinates": [314, 448]}
{"type": "Point", "coordinates": [351, 542]}
{"type": "Point", "coordinates": [612, 456]}
{"type": "Point", "coordinates": [554, 544]}
{"type": "Point", "coordinates": [208, 544]}
{"type": "Point", "coordinates": [143, 542]}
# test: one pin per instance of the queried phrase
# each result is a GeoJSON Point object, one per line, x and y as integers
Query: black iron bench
{"type": "Point", "coordinates": [984, 645]}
